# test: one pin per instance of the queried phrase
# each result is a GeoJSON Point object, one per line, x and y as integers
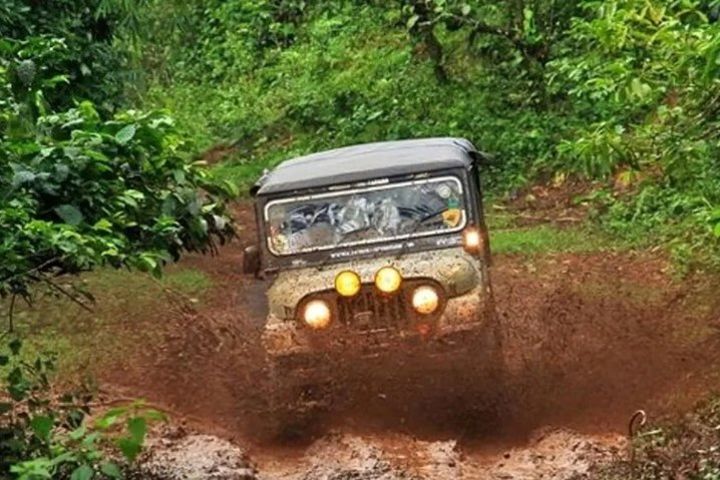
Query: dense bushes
{"type": "Point", "coordinates": [83, 184]}
{"type": "Point", "coordinates": [45, 435]}
{"type": "Point", "coordinates": [646, 79]}
{"type": "Point", "coordinates": [622, 90]}
{"type": "Point", "coordinates": [68, 42]}
{"type": "Point", "coordinates": [80, 191]}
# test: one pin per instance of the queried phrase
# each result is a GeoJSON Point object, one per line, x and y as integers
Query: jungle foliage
{"type": "Point", "coordinates": [625, 92]}
{"type": "Point", "coordinates": [83, 188]}
{"type": "Point", "coordinates": [84, 183]}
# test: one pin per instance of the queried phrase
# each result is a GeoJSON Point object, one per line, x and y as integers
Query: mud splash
{"type": "Point", "coordinates": [588, 339]}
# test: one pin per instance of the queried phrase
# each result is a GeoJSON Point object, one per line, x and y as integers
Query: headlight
{"type": "Point", "coordinates": [472, 240]}
{"type": "Point", "coordinates": [317, 314]}
{"type": "Point", "coordinates": [388, 280]}
{"type": "Point", "coordinates": [347, 283]}
{"type": "Point", "coordinates": [425, 300]}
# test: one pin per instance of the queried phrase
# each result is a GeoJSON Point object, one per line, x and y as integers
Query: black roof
{"type": "Point", "coordinates": [366, 162]}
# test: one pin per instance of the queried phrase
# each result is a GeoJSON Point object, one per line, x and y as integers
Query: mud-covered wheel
{"type": "Point", "coordinates": [479, 354]}
{"type": "Point", "coordinates": [295, 403]}
{"type": "Point", "coordinates": [496, 378]}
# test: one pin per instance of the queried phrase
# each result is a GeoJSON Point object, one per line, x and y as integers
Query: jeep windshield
{"type": "Point", "coordinates": [367, 215]}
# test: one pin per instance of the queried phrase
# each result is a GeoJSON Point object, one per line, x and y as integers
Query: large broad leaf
{"type": "Point", "coordinates": [138, 428]}
{"type": "Point", "coordinates": [69, 214]}
{"type": "Point", "coordinates": [83, 472]}
{"type": "Point", "coordinates": [129, 448]}
{"type": "Point", "coordinates": [42, 425]}
{"type": "Point", "coordinates": [15, 345]}
{"type": "Point", "coordinates": [125, 134]}
{"type": "Point", "coordinates": [22, 177]}
{"type": "Point", "coordinates": [110, 469]}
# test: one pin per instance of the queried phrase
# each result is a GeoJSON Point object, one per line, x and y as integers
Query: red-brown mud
{"type": "Point", "coordinates": [587, 340]}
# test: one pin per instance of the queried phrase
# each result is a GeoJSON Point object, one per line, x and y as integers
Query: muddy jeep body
{"type": "Point", "coordinates": [371, 321]}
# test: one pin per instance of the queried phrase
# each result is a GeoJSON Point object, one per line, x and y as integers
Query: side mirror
{"type": "Point", "coordinates": [251, 260]}
{"type": "Point", "coordinates": [485, 160]}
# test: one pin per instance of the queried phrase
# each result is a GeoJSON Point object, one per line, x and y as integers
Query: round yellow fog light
{"type": "Point", "coordinates": [347, 283]}
{"type": "Point", "coordinates": [425, 300]}
{"type": "Point", "coordinates": [388, 280]}
{"type": "Point", "coordinates": [317, 314]}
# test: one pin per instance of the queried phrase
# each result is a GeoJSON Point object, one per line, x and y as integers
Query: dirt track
{"type": "Point", "coordinates": [588, 339]}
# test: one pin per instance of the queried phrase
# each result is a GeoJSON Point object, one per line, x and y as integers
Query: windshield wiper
{"type": "Point", "coordinates": [420, 222]}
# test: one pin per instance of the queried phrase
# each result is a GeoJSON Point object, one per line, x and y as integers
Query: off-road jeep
{"type": "Point", "coordinates": [368, 247]}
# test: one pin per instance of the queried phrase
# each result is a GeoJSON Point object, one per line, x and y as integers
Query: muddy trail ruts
{"type": "Point", "coordinates": [587, 340]}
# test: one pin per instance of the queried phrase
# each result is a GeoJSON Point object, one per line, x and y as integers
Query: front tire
{"type": "Point", "coordinates": [296, 401]}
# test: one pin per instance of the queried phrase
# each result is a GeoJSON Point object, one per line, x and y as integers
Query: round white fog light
{"type": "Point", "coordinates": [472, 240]}
{"type": "Point", "coordinates": [425, 300]}
{"type": "Point", "coordinates": [317, 314]}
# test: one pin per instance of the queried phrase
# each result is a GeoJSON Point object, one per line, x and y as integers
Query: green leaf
{"type": "Point", "coordinates": [639, 89]}
{"type": "Point", "coordinates": [42, 425]}
{"type": "Point", "coordinates": [129, 448]}
{"type": "Point", "coordinates": [104, 225]}
{"type": "Point", "coordinates": [716, 230]}
{"type": "Point", "coordinates": [89, 441]}
{"type": "Point", "coordinates": [110, 417]}
{"type": "Point", "coordinates": [78, 433]}
{"type": "Point", "coordinates": [65, 457]}
{"type": "Point", "coordinates": [111, 470]}
{"type": "Point", "coordinates": [70, 214]}
{"type": "Point", "coordinates": [125, 134]}
{"type": "Point", "coordinates": [465, 10]}
{"type": "Point", "coordinates": [15, 345]}
{"type": "Point", "coordinates": [17, 385]}
{"type": "Point", "coordinates": [528, 21]}
{"type": "Point", "coordinates": [179, 176]}
{"type": "Point", "coordinates": [22, 177]}
{"type": "Point", "coordinates": [137, 426]}
{"type": "Point", "coordinates": [83, 472]}
{"type": "Point", "coordinates": [412, 21]}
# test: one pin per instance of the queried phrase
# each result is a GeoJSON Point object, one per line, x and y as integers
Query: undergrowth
{"type": "Point", "coordinates": [672, 449]}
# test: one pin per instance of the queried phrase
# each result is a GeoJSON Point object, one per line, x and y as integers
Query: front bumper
{"type": "Point", "coordinates": [462, 314]}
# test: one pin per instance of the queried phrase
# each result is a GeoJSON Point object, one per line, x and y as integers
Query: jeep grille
{"type": "Point", "coordinates": [371, 310]}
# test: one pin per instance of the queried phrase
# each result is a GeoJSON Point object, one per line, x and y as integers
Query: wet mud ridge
{"type": "Point", "coordinates": [554, 454]}
{"type": "Point", "coordinates": [587, 340]}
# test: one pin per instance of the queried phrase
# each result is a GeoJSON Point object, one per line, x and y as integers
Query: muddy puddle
{"type": "Point", "coordinates": [586, 341]}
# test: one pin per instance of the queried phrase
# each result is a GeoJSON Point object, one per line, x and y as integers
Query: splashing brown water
{"type": "Point", "coordinates": [587, 340]}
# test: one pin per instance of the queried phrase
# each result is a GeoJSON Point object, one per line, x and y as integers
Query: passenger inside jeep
{"type": "Point", "coordinates": [371, 215]}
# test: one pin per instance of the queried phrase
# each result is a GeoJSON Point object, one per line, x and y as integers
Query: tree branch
{"type": "Point", "coordinates": [479, 27]}
{"type": "Point", "coordinates": [11, 313]}
{"type": "Point", "coordinates": [62, 291]}
{"type": "Point", "coordinates": [36, 268]}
